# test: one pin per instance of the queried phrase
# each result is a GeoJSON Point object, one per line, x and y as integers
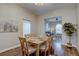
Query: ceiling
{"type": "Point", "coordinates": [47, 7]}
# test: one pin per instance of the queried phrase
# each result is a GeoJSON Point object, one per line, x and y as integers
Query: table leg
{"type": "Point", "coordinates": [37, 52]}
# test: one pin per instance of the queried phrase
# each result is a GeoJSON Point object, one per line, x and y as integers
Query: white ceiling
{"type": "Point", "coordinates": [47, 7]}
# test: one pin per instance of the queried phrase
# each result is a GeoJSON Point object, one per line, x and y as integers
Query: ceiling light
{"type": "Point", "coordinates": [39, 4]}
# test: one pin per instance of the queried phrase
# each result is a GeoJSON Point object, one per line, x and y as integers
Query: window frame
{"type": "Point", "coordinates": [25, 20]}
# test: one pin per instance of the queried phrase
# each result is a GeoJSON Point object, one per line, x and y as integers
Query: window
{"type": "Point", "coordinates": [26, 27]}
{"type": "Point", "coordinates": [47, 27]}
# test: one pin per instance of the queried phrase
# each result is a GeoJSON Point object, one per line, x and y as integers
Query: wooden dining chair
{"type": "Point", "coordinates": [46, 46]}
{"type": "Point", "coordinates": [25, 48]}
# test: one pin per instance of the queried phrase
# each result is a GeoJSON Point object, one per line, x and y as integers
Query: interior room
{"type": "Point", "coordinates": [39, 29]}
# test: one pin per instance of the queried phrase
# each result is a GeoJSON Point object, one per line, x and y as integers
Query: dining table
{"type": "Point", "coordinates": [37, 42]}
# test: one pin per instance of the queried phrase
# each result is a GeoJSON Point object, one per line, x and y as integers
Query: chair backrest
{"type": "Point", "coordinates": [23, 43]}
{"type": "Point", "coordinates": [50, 40]}
{"type": "Point", "coordinates": [49, 44]}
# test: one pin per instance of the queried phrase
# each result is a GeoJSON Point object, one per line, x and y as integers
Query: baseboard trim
{"type": "Point", "coordinates": [9, 48]}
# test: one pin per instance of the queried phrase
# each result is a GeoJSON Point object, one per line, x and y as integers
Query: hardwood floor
{"type": "Point", "coordinates": [59, 50]}
{"type": "Point", "coordinates": [70, 51]}
{"type": "Point", "coordinates": [63, 50]}
{"type": "Point", "coordinates": [12, 52]}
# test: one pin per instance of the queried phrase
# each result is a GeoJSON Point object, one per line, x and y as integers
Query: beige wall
{"type": "Point", "coordinates": [78, 23]}
{"type": "Point", "coordinates": [16, 13]}
{"type": "Point", "coordinates": [68, 15]}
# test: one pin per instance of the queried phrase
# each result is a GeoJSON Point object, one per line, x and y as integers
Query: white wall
{"type": "Point", "coordinates": [68, 15]}
{"type": "Point", "coordinates": [16, 13]}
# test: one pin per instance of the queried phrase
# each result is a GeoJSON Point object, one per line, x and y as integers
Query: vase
{"type": "Point", "coordinates": [69, 43]}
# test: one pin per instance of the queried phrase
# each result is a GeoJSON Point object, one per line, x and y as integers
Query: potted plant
{"type": "Point", "coordinates": [69, 29]}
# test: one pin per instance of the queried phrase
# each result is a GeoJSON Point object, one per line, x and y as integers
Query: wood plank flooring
{"type": "Point", "coordinates": [59, 50]}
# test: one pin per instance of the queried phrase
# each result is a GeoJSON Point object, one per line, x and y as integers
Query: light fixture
{"type": "Point", "coordinates": [39, 4]}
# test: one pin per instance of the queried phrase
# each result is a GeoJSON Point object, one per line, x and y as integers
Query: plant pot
{"type": "Point", "coordinates": [69, 44]}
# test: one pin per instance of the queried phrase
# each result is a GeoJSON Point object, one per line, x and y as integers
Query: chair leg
{"type": "Point", "coordinates": [22, 53]}
{"type": "Point", "coordinates": [45, 53]}
{"type": "Point", "coordinates": [48, 51]}
{"type": "Point", "coordinates": [40, 52]}
{"type": "Point", "coordinates": [28, 54]}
